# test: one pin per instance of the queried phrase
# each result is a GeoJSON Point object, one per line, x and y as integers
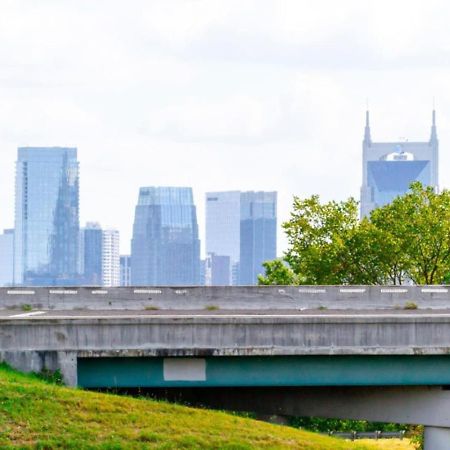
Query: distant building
{"type": "Point", "coordinates": [125, 270]}
{"type": "Point", "coordinates": [100, 255]}
{"type": "Point", "coordinates": [223, 221]}
{"type": "Point", "coordinates": [165, 248]}
{"type": "Point", "coordinates": [46, 216]}
{"type": "Point", "coordinates": [110, 258]}
{"type": "Point", "coordinates": [91, 239]}
{"type": "Point", "coordinates": [242, 227]}
{"type": "Point", "coordinates": [258, 234]}
{"type": "Point", "coordinates": [390, 167]}
{"type": "Point", "coordinates": [217, 270]}
{"type": "Point", "coordinates": [7, 258]}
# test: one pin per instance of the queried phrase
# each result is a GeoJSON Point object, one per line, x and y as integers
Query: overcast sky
{"type": "Point", "coordinates": [217, 95]}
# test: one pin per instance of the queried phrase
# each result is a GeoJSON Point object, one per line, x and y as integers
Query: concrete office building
{"type": "Point", "coordinates": [7, 258]}
{"type": "Point", "coordinates": [46, 216]}
{"type": "Point", "coordinates": [390, 167]}
{"type": "Point", "coordinates": [165, 248]}
{"type": "Point", "coordinates": [110, 258]}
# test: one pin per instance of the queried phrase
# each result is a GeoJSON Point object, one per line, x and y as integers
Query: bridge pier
{"type": "Point", "coordinates": [40, 361]}
{"type": "Point", "coordinates": [437, 438]}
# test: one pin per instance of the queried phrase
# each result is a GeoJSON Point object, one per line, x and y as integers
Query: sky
{"type": "Point", "coordinates": [218, 95]}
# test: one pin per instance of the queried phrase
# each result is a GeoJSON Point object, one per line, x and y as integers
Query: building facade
{"type": "Point", "coordinates": [110, 258]}
{"type": "Point", "coordinates": [7, 258]}
{"type": "Point", "coordinates": [165, 248]}
{"type": "Point", "coordinates": [91, 243]}
{"type": "Point", "coordinates": [217, 270]}
{"type": "Point", "coordinates": [46, 216]}
{"type": "Point", "coordinates": [258, 234]}
{"type": "Point", "coordinates": [223, 221]}
{"type": "Point", "coordinates": [125, 270]}
{"type": "Point", "coordinates": [390, 167]}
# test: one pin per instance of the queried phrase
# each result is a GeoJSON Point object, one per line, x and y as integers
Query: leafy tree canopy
{"type": "Point", "coordinates": [408, 239]}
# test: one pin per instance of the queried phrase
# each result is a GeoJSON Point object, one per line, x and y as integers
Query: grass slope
{"type": "Point", "coordinates": [38, 414]}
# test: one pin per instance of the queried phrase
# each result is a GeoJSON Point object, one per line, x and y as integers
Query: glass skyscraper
{"type": "Point", "coordinates": [46, 216]}
{"type": "Point", "coordinates": [165, 248]}
{"type": "Point", "coordinates": [91, 251]}
{"type": "Point", "coordinates": [258, 234]}
{"type": "Point", "coordinates": [7, 258]}
{"type": "Point", "coordinates": [389, 168]}
{"type": "Point", "coordinates": [223, 222]}
{"type": "Point", "coordinates": [243, 227]}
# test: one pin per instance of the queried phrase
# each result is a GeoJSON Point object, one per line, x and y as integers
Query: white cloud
{"type": "Point", "coordinates": [217, 94]}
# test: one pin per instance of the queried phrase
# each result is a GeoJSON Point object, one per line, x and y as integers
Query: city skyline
{"type": "Point", "coordinates": [261, 96]}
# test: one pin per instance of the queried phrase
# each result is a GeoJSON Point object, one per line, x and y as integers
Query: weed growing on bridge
{"type": "Point", "coordinates": [211, 307]}
{"type": "Point", "coordinates": [410, 305]}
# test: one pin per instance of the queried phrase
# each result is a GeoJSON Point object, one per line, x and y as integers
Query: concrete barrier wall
{"type": "Point", "coordinates": [232, 297]}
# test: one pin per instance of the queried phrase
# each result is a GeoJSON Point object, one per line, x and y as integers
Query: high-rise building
{"type": "Point", "coordinates": [258, 234]}
{"type": "Point", "coordinates": [110, 258]}
{"type": "Point", "coordinates": [390, 167]}
{"type": "Point", "coordinates": [100, 255]}
{"type": "Point", "coordinates": [223, 221]}
{"type": "Point", "coordinates": [165, 249]}
{"type": "Point", "coordinates": [46, 216]}
{"type": "Point", "coordinates": [217, 270]}
{"type": "Point", "coordinates": [125, 270]}
{"type": "Point", "coordinates": [91, 250]}
{"type": "Point", "coordinates": [7, 258]}
{"type": "Point", "coordinates": [241, 226]}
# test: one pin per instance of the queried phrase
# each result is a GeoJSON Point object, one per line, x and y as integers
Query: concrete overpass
{"type": "Point", "coordinates": [330, 351]}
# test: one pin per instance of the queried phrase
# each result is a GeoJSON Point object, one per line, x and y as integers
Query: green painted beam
{"type": "Point", "coordinates": [268, 371]}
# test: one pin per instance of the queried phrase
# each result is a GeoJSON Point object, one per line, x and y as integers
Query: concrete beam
{"type": "Point", "coordinates": [233, 335]}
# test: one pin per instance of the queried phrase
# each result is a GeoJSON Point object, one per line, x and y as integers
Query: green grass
{"type": "Point", "coordinates": [44, 415]}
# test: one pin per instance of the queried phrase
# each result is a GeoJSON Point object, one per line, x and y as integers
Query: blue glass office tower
{"type": "Point", "coordinates": [46, 216]}
{"type": "Point", "coordinates": [91, 245]}
{"type": "Point", "coordinates": [258, 234]}
{"type": "Point", "coordinates": [165, 249]}
{"type": "Point", "coordinates": [390, 167]}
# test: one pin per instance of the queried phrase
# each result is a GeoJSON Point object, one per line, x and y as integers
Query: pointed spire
{"type": "Point", "coordinates": [367, 129]}
{"type": "Point", "coordinates": [433, 136]}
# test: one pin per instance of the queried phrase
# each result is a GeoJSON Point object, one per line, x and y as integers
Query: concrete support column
{"type": "Point", "coordinates": [437, 438]}
{"type": "Point", "coordinates": [67, 364]}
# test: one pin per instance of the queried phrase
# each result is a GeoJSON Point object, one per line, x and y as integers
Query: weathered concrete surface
{"type": "Point", "coordinates": [229, 297]}
{"type": "Point", "coordinates": [178, 335]}
{"type": "Point", "coordinates": [437, 438]}
{"type": "Point", "coordinates": [39, 361]}
{"type": "Point", "coordinates": [429, 406]}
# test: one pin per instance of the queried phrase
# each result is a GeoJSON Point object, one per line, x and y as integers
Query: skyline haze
{"type": "Point", "coordinates": [219, 96]}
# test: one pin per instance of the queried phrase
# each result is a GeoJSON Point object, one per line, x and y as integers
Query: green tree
{"type": "Point", "coordinates": [408, 239]}
{"type": "Point", "coordinates": [277, 273]}
{"type": "Point", "coordinates": [317, 234]}
{"type": "Point", "coordinates": [419, 225]}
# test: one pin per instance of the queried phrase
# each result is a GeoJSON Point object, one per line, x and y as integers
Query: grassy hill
{"type": "Point", "coordinates": [42, 415]}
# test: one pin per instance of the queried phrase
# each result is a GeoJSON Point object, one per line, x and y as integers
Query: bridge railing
{"type": "Point", "coordinates": [228, 297]}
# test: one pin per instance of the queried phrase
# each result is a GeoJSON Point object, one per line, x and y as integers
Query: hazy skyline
{"type": "Point", "coordinates": [255, 95]}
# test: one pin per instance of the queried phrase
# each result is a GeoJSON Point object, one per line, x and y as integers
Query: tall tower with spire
{"type": "Point", "coordinates": [390, 167]}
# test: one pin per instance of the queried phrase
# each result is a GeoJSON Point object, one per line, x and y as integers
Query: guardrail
{"type": "Point", "coordinates": [354, 435]}
{"type": "Point", "coordinates": [228, 297]}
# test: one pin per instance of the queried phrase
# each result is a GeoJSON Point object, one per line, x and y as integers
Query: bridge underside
{"type": "Point", "coordinates": [400, 370]}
